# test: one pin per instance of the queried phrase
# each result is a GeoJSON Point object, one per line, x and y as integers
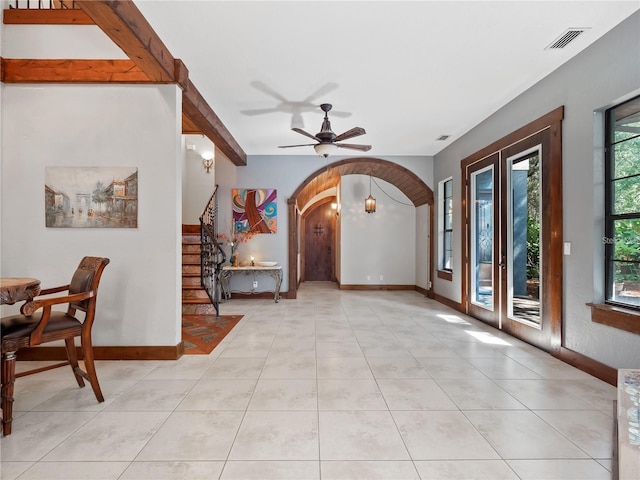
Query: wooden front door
{"type": "Point", "coordinates": [319, 244]}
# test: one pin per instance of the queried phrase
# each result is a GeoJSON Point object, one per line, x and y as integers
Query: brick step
{"type": "Point", "coordinates": [194, 295]}
{"type": "Point", "coordinates": [198, 309]}
{"type": "Point", "coordinates": [190, 259]}
{"type": "Point", "coordinates": [191, 269]}
{"type": "Point", "coordinates": [191, 281]}
{"type": "Point", "coordinates": [191, 238]}
{"type": "Point", "coordinates": [191, 248]}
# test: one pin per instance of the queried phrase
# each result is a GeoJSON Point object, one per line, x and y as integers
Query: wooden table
{"type": "Point", "coordinates": [227, 272]}
{"type": "Point", "coordinates": [16, 289]}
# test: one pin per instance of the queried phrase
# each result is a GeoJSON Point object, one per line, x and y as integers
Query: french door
{"type": "Point", "coordinates": [513, 239]}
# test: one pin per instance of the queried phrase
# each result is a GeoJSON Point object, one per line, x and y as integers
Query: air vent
{"type": "Point", "coordinates": [566, 38]}
{"type": "Point", "coordinates": [442, 138]}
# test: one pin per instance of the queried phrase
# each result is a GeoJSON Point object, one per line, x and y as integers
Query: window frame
{"type": "Point", "coordinates": [610, 217]}
{"type": "Point", "coordinates": [445, 272]}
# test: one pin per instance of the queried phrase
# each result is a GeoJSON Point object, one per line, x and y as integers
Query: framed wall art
{"type": "Point", "coordinates": [254, 210]}
{"type": "Point", "coordinates": [91, 197]}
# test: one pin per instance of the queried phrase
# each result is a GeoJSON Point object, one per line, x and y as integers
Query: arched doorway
{"type": "Point", "coordinates": [328, 177]}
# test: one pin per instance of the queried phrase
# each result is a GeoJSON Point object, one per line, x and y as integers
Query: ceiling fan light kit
{"type": "Point", "coordinates": [327, 139]}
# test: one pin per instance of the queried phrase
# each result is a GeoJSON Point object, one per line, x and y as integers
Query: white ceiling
{"type": "Point", "coordinates": [407, 72]}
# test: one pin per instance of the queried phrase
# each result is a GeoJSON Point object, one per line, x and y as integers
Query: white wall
{"type": "Point", "coordinates": [380, 244]}
{"type": "Point", "coordinates": [197, 184]}
{"type": "Point", "coordinates": [75, 125]}
{"type": "Point", "coordinates": [603, 74]}
{"type": "Point", "coordinates": [286, 173]}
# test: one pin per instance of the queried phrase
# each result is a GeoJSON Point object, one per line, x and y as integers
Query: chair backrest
{"type": "Point", "coordinates": [86, 278]}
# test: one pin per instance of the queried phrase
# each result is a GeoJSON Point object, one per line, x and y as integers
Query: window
{"type": "Point", "coordinates": [622, 204]}
{"type": "Point", "coordinates": [445, 190]}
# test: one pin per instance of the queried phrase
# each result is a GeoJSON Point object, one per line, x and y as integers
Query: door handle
{"type": "Point", "coordinates": [329, 250]}
{"type": "Point", "coordinates": [503, 262]}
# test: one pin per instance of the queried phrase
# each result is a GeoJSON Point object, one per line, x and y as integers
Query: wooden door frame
{"type": "Point", "coordinates": [551, 250]}
{"type": "Point", "coordinates": [303, 219]}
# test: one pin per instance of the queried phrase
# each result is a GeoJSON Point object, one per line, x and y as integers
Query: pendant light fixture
{"type": "Point", "coordinates": [370, 202]}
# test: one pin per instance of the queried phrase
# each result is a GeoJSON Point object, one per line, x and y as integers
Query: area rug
{"type": "Point", "coordinates": [202, 333]}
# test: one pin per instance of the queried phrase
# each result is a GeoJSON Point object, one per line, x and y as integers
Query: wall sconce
{"type": "Point", "coordinates": [207, 161]}
{"type": "Point", "coordinates": [370, 202]}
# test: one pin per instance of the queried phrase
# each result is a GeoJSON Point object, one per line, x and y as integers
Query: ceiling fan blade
{"type": "Point", "coordinates": [353, 146]}
{"type": "Point", "coordinates": [304, 145]}
{"type": "Point", "coordinates": [268, 90]}
{"type": "Point", "coordinates": [329, 87]}
{"type": "Point", "coordinates": [306, 134]}
{"type": "Point", "coordinates": [354, 132]}
{"type": "Point", "coordinates": [259, 111]}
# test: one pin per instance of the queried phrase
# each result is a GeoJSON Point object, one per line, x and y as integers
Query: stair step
{"type": "Point", "coordinates": [191, 281]}
{"type": "Point", "coordinates": [194, 269]}
{"type": "Point", "coordinates": [191, 248]}
{"type": "Point", "coordinates": [195, 296]}
{"type": "Point", "coordinates": [198, 309]}
{"type": "Point", "coordinates": [190, 259]}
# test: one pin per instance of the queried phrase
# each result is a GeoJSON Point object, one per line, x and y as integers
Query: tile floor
{"type": "Point", "coordinates": [333, 385]}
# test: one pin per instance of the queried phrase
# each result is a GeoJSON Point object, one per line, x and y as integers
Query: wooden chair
{"type": "Point", "coordinates": [34, 327]}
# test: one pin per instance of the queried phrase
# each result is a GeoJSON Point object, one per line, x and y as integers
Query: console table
{"type": "Point", "coordinates": [227, 272]}
{"type": "Point", "coordinates": [626, 455]}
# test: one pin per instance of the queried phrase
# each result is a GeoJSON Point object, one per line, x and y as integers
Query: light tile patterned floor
{"type": "Point", "coordinates": [334, 385]}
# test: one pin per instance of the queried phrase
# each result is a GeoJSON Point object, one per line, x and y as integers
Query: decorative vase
{"type": "Point", "coordinates": [234, 257]}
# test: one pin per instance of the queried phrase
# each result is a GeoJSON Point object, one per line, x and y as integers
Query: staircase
{"type": "Point", "coordinates": [195, 300]}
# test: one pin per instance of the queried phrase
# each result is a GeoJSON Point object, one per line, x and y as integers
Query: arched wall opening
{"type": "Point", "coordinates": [418, 192]}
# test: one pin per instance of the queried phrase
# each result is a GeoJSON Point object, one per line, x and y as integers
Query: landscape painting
{"type": "Point", "coordinates": [254, 210]}
{"type": "Point", "coordinates": [91, 197]}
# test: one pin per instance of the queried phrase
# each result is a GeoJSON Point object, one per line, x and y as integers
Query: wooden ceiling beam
{"type": "Point", "coordinates": [38, 16]}
{"type": "Point", "coordinates": [126, 26]}
{"type": "Point", "coordinates": [71, 71]}
{"type": "Point", "coordinates": [196, 108]}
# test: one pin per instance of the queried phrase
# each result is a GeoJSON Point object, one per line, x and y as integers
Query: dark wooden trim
{"type": "Point", "coordinates": [106, 353]}
{"type": "Point", "coordinates": [616, 317]}
{"type": "Point", "coordinates": [588, 365]}
{"type": "Point", "coordinates": [445, 275]}
{"type": "Point", "coordinates": [432, 260]}
{"type": "Point", "coordinates": [518, 135]}
{"type": "Point", "coordinates": [125, 25]}
{"type": "Point", "coordinates": [344, 286]}
{"type": "Point", "coordinates": [256, 295]}
{"type": "Point", "coordinates": [37, 16]}
{"type": "Point", "coordinates": [190, 229]}
{"type": "Point", "coordinates": [448, 302]}
{"type": "Point", "coordinates": [423, 291]}
{"type": "Point", "coordinates": [17, 70]}
{"type": "Point", "coordinates": [205, 119]}
{"type": "Point", "coordinates": [292, 213]}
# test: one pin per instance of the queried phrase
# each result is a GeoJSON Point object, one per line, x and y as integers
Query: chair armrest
{"type": "Point", "coordinates": [30, 308]}
{"type": "Point", "coordinates": [49, 291]}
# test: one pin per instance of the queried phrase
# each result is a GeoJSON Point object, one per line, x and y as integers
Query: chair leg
{"type": "Point", "coordinates": [8, 379]}
{"type": "Point", "coordinates": [87, 353]}
{"type": "Point", "coordinates": [73, 360]}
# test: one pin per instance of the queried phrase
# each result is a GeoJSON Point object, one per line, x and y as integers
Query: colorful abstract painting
{"type": "Point", "coordinates": [254, 210]}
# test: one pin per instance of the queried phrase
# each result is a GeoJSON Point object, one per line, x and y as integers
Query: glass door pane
{"type": "Point", "coordinates": [482, 235]}
{"type": "Point", "coordinates": [523, 237]}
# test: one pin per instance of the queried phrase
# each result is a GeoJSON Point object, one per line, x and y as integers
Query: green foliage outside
{"type": "Point", "coordinates": [626, 200]}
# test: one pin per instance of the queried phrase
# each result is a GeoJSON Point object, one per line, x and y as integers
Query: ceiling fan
{"type": "Point", "coordinates": [327, 139]}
